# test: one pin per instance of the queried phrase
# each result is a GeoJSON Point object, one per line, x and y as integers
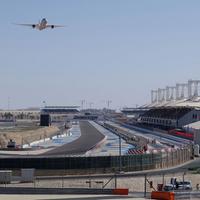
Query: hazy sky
{"type": "Point", "coordinates": [110, 50]}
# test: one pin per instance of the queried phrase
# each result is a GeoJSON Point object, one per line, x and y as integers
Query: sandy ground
{"type": "Point", "coordinates": [26, 152]}
{"type": "Point", "coordinates": [135, 184]}
{"type": "Point", "coordinates": [26, 137]}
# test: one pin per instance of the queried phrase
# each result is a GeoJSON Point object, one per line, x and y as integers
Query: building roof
{"type": "Point", "coordinates": [193, 103]}
{"type": "Point", "coordinates": [60, 109]}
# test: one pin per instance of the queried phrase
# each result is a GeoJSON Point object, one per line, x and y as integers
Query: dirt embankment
{"type": "Point", "coordinates": [26, 137]}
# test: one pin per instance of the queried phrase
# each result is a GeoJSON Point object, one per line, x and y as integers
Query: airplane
{"type": "Point", "coordinates": [41, 25]}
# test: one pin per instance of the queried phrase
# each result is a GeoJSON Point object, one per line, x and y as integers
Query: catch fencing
{"type": "Point", "coordinates": [101, 163]}
{"type": "Point", "coordinates": [139, 184]}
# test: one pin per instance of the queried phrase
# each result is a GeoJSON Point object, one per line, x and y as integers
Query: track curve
{"type": "Point", "coordinates": [90, 136]}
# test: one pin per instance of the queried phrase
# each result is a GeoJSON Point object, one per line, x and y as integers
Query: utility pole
{"type": "Point", "coordinates": [145, 185]}
{"type": "Point", "coordinates": [8, 103]}
{"type": "Point", "coordinates": [44, 104]}
{"type": "Point", "coordinates": [120, 153]}
{"type": "Point", "coordinates": [91, 103]}
{"type": "Point", "coordinates": [108, 103]}
{"type": "Point", "coordinates": [82, 103]}
{"type": "Point", "coordinates": [184, 180]}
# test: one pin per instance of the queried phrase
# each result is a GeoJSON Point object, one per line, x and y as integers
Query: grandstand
{"type": "Point", "coordinates": [170, 117]}
{"type": "Point", "coordinates": [60, 109]}
{"type": "Point", "coordinates": [173, 107]}
{"type": "Point", "coordinates": [134, 111]}
{"type": "Point", "coordinates": [60, 113]}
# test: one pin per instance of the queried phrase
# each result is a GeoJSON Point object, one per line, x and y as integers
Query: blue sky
{"type": "Point", "coordinates": [116, 50]}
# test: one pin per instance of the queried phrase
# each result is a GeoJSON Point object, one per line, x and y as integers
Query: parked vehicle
{"type": "Point", "coordinates": [168, 187]}
{"type": "Point", "coordinates": [177, 185]}
{"type": "Point", "coordinates": [186, 185]}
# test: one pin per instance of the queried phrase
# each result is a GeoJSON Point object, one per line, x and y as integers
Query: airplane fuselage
{"type": "Point", "coordinates": [42, 25]}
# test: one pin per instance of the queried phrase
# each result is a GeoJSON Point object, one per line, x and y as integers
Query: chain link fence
{"type": "Point", "coordinates": [137, 184]}
{"type": "Point", "coordinates": [101, 163]}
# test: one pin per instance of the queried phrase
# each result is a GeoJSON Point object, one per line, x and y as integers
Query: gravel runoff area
{"type": "Point", "coordinates": [90, 137]}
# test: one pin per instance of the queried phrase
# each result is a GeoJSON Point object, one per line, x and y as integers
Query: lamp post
{"type": "Point", "coordinates": [120, 151]}
{"type": "Point", "coordinates": [120, 155]}
{"type": "Point", "coordinates": [176, 118]}
{"type": "Point", "coordinates": [184, 180]}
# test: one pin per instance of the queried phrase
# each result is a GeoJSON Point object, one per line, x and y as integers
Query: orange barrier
{"type": "Point", "coordinates": [162, 195]}
{"type": "Point", "coordinates": [120, 191]}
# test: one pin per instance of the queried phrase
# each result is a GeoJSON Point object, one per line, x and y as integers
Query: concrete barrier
{"type": "Point", "coordinates": [120, 191]}
{"type": "Point", "coordinates": [162, 195]}
{"type": "Point", "coordinates": [31, 190]}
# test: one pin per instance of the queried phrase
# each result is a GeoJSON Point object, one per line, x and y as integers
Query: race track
{"type": "Point", "coordinates": [90, 136]}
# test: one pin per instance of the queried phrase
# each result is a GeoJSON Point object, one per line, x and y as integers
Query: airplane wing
{"type": "Point", "coordinates": [30, 25]}
{"type": "Point", "coordinates": [53, 26]}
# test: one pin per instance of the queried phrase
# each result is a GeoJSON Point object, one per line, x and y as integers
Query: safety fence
{"type": "Point", "coordinates": [105, 163]}
{"type": "Point", "coordinates": [140, 184]}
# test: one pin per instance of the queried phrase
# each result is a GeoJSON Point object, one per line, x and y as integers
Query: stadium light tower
{"type": "Point", "coordinates": [8, 103]}
{"type": "Point", "coordinates": [82, 103]}
{"type": "Point", "coordinates": [190, 88]}
{"type": "Point", "coordinates": [108, 103]}
{"type": "Point", "coordinates": [90, 104]}
{"type": "Point", "coordinates": [159, 94]}
{"type": "Point", "coordinates": [120, 153]}
{"type": "Point", "coordinates": [167, 93]}
{"type": "Point", "coordinates": [120, 150]}
{"type": "Point", "coordinates": [154, 96]}
{"type": "Point", "coordinates": [44, 104]}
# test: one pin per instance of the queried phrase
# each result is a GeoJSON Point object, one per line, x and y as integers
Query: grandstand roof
{"type": "Point", "coordinates": [126, 109]}
{"type": "Point", "coordinates": [60, 109]}
{"type": "Point", "coordinates": [193, 103]}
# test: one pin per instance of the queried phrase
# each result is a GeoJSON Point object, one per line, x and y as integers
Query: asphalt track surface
{"type": "Point", "coordinates": [89, 138]}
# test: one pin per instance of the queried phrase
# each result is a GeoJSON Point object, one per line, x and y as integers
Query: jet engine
{"type": "Point", "coordinates": [52, 26]}
{"type": "Point", "coordinates": [33, 26]}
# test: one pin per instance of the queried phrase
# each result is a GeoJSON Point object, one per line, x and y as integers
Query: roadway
{"type": "Point", "coordinates": [89, 138]}
{"type": "Point", "coordinates": [162, 140]}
